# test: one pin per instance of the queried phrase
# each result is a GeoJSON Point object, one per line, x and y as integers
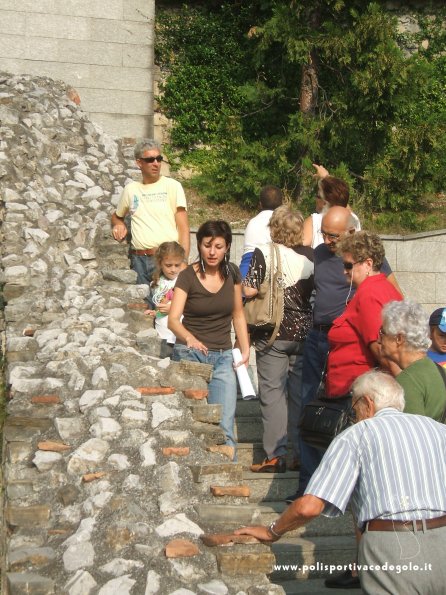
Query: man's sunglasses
{"type": "Point", "coordinates": [158, 158]}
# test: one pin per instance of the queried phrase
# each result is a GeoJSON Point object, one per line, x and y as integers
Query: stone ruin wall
{"type": "Point", "coordinates": [105, 460]}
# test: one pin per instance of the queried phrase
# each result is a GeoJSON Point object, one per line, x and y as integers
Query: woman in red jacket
{"type": "Point", "coordinates": [353, 338]}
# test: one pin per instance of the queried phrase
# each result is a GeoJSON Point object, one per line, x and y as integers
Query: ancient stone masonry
{"type": "Point", "coordinates": [104, 457]}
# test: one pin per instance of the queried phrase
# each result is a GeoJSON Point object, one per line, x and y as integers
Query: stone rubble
{"type": "Point", "coordinates": [90, 500]}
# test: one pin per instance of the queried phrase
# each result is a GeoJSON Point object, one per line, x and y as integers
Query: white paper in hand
{"type": "Point", "coordinates": [244, 380]}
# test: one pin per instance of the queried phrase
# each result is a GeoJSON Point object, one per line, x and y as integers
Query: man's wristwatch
{"type": "Point", "coordinates": [273, 533]}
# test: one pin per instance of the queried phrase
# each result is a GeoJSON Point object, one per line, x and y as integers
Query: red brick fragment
{"type": "Point", "coordinates": [45, 400]}
{"type": "Point", "coordinates": [92, 476]}
{"type": "Point", "coordinates": [137, 306]}
{"type": "Point", "coordinates": [53, 446]}
{"type": "Point", "coordinates": [156, 390]}
{"type": "Point", "coordinates": [181, 548]}
{"type": "Point", "coordinates": [29, 332]}
{"type": "Point", "coordinates": [178, 451]}
{"type": "Point", "coordinates": [212, 540]}
{"type": "Point", "coordinates": [195, 394]}
{"type": "Point", "coordinates": [73, 95]}
{"type": "Point", "coordinates": [242, 491]}
{"type": "Point", "coordinates": [58, 531]}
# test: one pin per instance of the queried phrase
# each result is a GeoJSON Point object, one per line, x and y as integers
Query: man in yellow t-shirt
{"type": "Point", "coordinates": [158, 211]}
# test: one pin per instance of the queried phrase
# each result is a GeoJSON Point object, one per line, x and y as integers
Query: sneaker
{"type": "Point", "coordinates": [275, 465]}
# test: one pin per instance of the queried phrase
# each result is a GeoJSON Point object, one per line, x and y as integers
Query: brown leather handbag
{"type": "Point", "coordinates": [265, 310]}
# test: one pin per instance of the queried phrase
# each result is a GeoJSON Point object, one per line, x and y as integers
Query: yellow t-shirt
{"type": "Point", "coordinates": [152, 208]}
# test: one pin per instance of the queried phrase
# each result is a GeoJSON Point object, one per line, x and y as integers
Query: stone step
{"type": "Point", "coordinates": [206, 413]}
{"type": "Point", "coordinates": [313, 587]}
{"type": "Point", "coordinates": [252, 452]}
{"type": "Point", "coordinates": [225, 517]}
{"type": "Point", "coordinates": [242, 560]}
{"type": "Point", "coordinates": [250, 408]}
{"type": "Point", "coordinates": [248, 429]}
{"type": "Point", "coordinates": [269, 487]}
{"type": "Point", "coordinates": [202, 473]}
{"type": "Point", "coordinates": [316, 553]}
{"type": "Point", "coordinates": [219, 474]}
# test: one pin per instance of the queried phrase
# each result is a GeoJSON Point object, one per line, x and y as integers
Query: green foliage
{"type": "Point", "coordinates": [236, 171]}
{"type": "Point", "coordinates": [206, 60]}
{"type": "Point", "coordinates": [380, 116]}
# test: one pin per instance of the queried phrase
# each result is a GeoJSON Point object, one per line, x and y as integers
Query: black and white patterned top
{"type": "Point", "coordinates": [298, 278]}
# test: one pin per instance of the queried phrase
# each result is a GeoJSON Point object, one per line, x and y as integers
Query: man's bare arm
{"type": "Point", "coordinates": [299, 513]}
{"type": "Point", "coordinates": [308, 231]}
{"type": "Point", "coordinates": [182, 222]}
{"type": "Point", "coordinates": [119, 228]}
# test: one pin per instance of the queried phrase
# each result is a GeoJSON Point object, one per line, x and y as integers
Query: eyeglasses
{"type": "Point", "coordinates": [330, 236]}
{"type": "Point", "coordinates": [352, 412]}
{"type": "Point", "coordinates": [158, 158]}
{"type": "Point", "coordinates": [348, 266]}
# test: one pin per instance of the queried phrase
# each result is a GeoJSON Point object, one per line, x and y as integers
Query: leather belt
{"type": "Point", "coordinates": [148, 252]}
{"type": "Point", "coordinates": [389, 525]}
{"type": "Point", "coordinates": [322, 327]}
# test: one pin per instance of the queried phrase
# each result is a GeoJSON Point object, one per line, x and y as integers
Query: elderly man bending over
{"type": "Point", "coordinates": [393, 467]}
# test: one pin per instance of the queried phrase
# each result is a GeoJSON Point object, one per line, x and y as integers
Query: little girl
{"type": "Point", "coordinates": [170, 261]}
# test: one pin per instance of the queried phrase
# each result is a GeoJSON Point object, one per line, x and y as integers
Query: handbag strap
{"type": "Point", "coordinates": [443, 375]}
{"type": "Point", "coordinates": [274, 248]}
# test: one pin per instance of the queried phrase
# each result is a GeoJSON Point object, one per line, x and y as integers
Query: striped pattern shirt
{"type": "Point", "coordinates": [393, 466]}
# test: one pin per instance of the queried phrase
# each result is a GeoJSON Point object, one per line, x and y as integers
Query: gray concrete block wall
{"type": "Point", "coordinates": [419, 262]}
{"type": "Point", "coordinates": [104, 50]}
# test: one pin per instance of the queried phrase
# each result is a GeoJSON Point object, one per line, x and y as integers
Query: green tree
{"type": "Point", "coordinates": [327, 81]}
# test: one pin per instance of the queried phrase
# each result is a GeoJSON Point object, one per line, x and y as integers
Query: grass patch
{"type": "Point", "coordinates": [429, 216]}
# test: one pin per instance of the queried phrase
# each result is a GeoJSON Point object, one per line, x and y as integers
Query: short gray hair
{"type": "Point", "coordinates": [147, 144]}
{"type": "Point", "coordinates": [382, 388]}
{"type": "Point", "coordinates": [409, 319]}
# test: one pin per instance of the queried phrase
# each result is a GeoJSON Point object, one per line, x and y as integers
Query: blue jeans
{"type": "Point", "coordinates": [223, 384]}
{"type": "Point", "coordinates": [314, 358]}
{"type": "Point", "coordinates": [279, 370]}
{"type": "Point", "coordinates": [144, 267]}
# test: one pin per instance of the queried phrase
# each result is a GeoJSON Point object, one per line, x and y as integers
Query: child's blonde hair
{"type": "Point", "coordinates": [166, 249]}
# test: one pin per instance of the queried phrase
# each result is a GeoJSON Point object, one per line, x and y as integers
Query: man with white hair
{"type": "Point", "coordinates": [391, 466]}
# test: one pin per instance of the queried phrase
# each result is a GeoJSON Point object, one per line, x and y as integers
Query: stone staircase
{"type": "Point", "coordinates": [322, 542]}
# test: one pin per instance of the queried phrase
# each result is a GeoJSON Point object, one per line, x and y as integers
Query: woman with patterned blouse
{"type": "Point", "coordinates": [279, 365]}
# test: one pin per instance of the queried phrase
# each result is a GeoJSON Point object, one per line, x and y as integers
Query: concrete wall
{"type": "Point", "coordinates": [418, 261]}
{"type": "Point", "coordinates": [103, 49]}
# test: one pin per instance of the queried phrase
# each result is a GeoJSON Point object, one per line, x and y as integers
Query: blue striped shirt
{"type": "Point", "coordinates": [393, 466]}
